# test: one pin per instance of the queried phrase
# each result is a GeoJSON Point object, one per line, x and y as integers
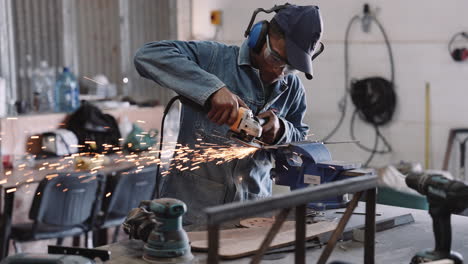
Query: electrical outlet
{"type": "Point", "coordinates": [216, 17]}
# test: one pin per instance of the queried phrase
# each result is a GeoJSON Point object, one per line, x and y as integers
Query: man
{"type": "Point", "coordinates": [221, 78]}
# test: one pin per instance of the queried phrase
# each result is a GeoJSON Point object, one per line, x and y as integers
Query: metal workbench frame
{"type": "Point", "coordinates": [299, 199]}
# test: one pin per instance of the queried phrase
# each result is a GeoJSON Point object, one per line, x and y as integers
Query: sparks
{"type": "Point", "coordinates": [51, 176]}
{"type": "Point", "coordinates": [89, 79]}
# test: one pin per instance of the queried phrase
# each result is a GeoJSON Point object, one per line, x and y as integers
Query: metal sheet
{"type": "Point", "coordinates": [221, 213]}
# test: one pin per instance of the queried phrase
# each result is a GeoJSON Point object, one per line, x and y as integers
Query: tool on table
{"type": "Point", "coordinates": [33, 258]}
{"type": "Point", "coordinates": [358, 213]}
{"type": "Point", "coordinates": [300, 164]}
{"type": "Point", "coordinates": [59, 254]}
{"type": "Point", "coordinates": [247, 129]}
{"type": "Point", "coordinates": [159, 223]}
{"type": "Point", "coordinates": [445, 197]}
{"type": "Point", "coordinates": [90, 253]}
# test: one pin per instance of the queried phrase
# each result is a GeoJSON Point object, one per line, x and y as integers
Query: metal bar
{"type": "Point", "coordinates": [219, 214]}
{"type": "Point", "coordinates": [28, 55]}
{"type": "Point", "coordinates": [213, 244]}
{"type": "Point", "coordinates": [125, 54]}
{"type": "Point", "coordinates": [427, 126]}
{"type": "Point", "coordinates": [5, 227]}
{"type": "Point", "coordinates": [104, 255]}
{"type": "Point", "coordinates": [280, 218]}
{"type": "Point", "coordinates": [382, 225]}
{"type": "Point", "coordinates": [369, 236]}
{"type": "Point", "coordinates": [69, 37]}
{"type": "Point", "coordinates": [7, 56]}
{"type": "Point", "coordinates": [10, 72]}
{"type": "Point", "coordinates": [299, 256]}
{"type": "Point", "coordinates": [341, 142]}
{"type": "Point", "coordinates": [339, 229]}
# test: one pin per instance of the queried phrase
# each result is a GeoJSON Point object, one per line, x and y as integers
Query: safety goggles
{"type": "Point", "coordinates": [275, 60]}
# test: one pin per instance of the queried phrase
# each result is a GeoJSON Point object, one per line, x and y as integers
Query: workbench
{"type": "Point", "coordinates": [396, 245]}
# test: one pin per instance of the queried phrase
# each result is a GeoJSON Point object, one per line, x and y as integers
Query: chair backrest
{"type": "Point", "coordinates": [66, 199]}
{"type": "Point", "coordinates": [126, 189]}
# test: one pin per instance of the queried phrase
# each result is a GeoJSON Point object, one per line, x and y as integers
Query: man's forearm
{"type": "Point", "coordinates": [175, 65]}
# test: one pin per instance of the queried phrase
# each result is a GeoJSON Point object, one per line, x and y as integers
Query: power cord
{"type": "Point", "coordinates": [161, 140]}
{"type": "Point", "coordinates": [343, 103]}
{"type": "Point", "coordinates": [374, 98]}
{"type": "Point", "coordinates": [182, 100]}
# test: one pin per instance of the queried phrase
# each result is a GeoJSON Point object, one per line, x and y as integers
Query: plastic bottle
{"type": "Point", "coordinates": [42, 80]}
{"type": "Point", "coordinates": [67, 92]}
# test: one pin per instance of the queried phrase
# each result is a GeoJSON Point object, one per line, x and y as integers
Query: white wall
{"type": "Point", "coordinates": [419, 31]}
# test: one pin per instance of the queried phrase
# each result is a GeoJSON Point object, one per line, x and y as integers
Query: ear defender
{"type": "Point", "coordinates": [257, 36]}
{"type": "Point", "coordinates": [460, 54]}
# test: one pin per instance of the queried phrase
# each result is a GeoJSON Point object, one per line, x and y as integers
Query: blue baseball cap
{"type": "Point", "coordinates": [302, 26]}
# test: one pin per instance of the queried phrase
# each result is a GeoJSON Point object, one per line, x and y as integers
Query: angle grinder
{"type": "Point", "coordinates": [159, 223]}
{"type": "Point", "coordinates": [247, 129]}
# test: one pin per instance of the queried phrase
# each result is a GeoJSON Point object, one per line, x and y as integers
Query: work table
{"type": "Point", "coordinates": [396, 245]}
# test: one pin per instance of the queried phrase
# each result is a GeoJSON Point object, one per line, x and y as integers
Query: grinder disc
{"type": "Point", "coordinates": [257, 222]}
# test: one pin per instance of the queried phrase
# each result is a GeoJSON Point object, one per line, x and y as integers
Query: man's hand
{"type": "Point", "coordinates": [224, 107]}
{"type": "Point", "coordinates": [272, 129]}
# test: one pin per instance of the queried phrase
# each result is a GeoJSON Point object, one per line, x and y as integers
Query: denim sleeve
{"type": "Point", "coordinates": [294, 128]}
{"type": "Point", "coordinates": [180, 66]}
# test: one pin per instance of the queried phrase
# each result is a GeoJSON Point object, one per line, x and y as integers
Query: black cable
{"type": "Point", "coordinates": [374, 98]}
{"type": "Point", "coordinates": [389, 48]}
{"type": "Point", "coordinates": [161, 138]}
{"type": "Point", "coordinates": [461, 33]}
{"type": "Point", "coordinates": [343, 102]}
{"type": "Point", "coordinates": [375, 102]}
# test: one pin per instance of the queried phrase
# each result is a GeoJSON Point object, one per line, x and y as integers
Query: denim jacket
{"type": "Point", "coordinates": [195, 70]}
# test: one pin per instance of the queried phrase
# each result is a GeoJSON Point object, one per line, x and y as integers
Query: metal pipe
{"type": "Point", "coordinates": [369, 236]}
{"type": "Point", "coordinates": [5, 227]}
{"type": "Point", "coordinates": [222, 213]}
{"type": "Point", "coordinates": [299, 257]}
{"type": "Point", "coordinates": [213, 244]}
{"type": "Point", "coordinates": [279, 220]}
{"type": "Point", "coordinates": [339, 229]}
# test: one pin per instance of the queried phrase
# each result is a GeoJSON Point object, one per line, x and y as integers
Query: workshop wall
{"type": "Point", "coordinates": [419, 32]}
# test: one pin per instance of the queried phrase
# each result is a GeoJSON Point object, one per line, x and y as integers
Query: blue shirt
{"type": "Point", "coordinates": [195, 70]}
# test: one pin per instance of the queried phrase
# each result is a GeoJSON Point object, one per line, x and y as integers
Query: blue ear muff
{"type": "Point", "coordinates": [257, 36]}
